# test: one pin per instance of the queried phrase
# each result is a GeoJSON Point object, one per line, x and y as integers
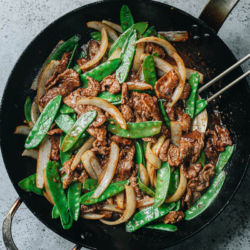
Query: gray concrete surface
{"type": "Point", "coordinates": [20, 22]}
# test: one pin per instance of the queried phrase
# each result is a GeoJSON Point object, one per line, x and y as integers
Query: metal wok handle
{"type": "Point", "coordinates": [216, 11]}
{"type": "Point", "coordinates": [7, 236]}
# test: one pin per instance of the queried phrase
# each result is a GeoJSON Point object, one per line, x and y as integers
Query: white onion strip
{"type": "Point", "coordinates": [157, 146]}
{"type": "Point", "coordinates": [140, 74]}
{"type": "Point", "coordinates": [110, 201]}
{"type": "Point", "coordinates": [120, 200]}
{"type": "Point", "coordinates": [176, 133]}
{"type": "Point", "coordinates": [33, 153]}
{"type": "Point", "coordinates": [92, 216]}
{"type": "Point", "coordinates": [35, 113]}
{"type": "Point", "coordinates": [175, 36]}
{"type": "Point", "coordinates": [137, 58]}
{"type": "Point", "coordinates": [130, 207]}
{"type": "Point", "coordinates": [22, 130]}
{"type": "Point", "coordinates": [139, 85]}
{"type": "Point", "coordinates": [146, 202]}
{"type": "Point", "coordinates": [144, 175]}
{"type": "Point", "coordinates": [86, 146]}
{"type": "Point", "coordinates": [114, 26]}
{"type": "Point", "coordinates": [151, 174]}
{"type": "Point", "coordinates": [108, 207]}
{"type": "Point", "coordinates": [46, 187]}
{"type": "Point", "coordinates": [151, 158]}
{"type": "Point", "coordinates": [95, 164]}
{"type": "Point", "coordinates": [106, 106]}
{"type": "Point", "coordinates": [116, 54]}
{"type": "Point", "coordinates": [110, 171]}
{"type": "Point", "coordinates": [86, 163]}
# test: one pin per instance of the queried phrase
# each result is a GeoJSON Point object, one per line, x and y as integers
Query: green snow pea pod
{"type": "Point", "coordinates": [64, 156]}
{"type": "Point", "coordinates": [139, 27]}
{"type": "Point", "coordinates": [149, 70]}
{"type": "Point", "coordinates": [55, 212]}
{"type": "Point", "coordinates": [29, 185]}
{"type": "Point", "coordinates": [65, 47]}
{"type": "Point", "coordinates": [163, 180]}
{"type": "Point", "coordinates": [150, 32]}
{"type": "Point", "coordinates": [135, 130]}
{"type": "Point", "coordinates": [155, 54]}
{"type": "Point", "coordinates": [72, 57]}
{"type": "Point", "coordinates": [43, 123]}
{"type": "Point", "coordinates": [143, 187]}
{"type": "Point", "coordinates": [98, 36]}
{"type": "Point", "coordinates": [163, 227]}
{"type": "Point", "coordinates": [117, 98]}
{"type": "Point", "coordinates": [74, 194]}
{"type": "Point", "coordinates": [174, 181]}
{"type": "Point", "coordinates": [77, 130]}
{"type": "Point", "coordinates": [127, 55]}
{"type": "Point", "coordinates": [101, 71]}
{"type": "Point", "coordinates": [148, 215]}
{"type": "Point", "coordinates": [164, 114]}
{"type": "Point", "coordinates": [200, 106]}
{"type": "Point", "coordinates": [68, 225]}
{"type": "Point", "coordinates": [202, 158]}
{"type": "Point", "coordinates": [112, 190]}
{"type": "Point", "coordinates": [73, 116]}
{"type": "Point", "coordinates": [178, 205]}
{"type": "Point", "coordinates": [57, 191]}
{"type": "Point", "coordinates": [64, 122]}
{"type": "Point", "coordinates": [194, 82]}
{"type": "Point", "coordinates": [126, 18]}
{"type": "Point", "coordinates": [161, 36]}
{"type": "Point", "coordinates": [224, 158]}
{"type": "Point", "coordinates": [65, 109]}
{"type": "Point", "coordinates": [84, 137]}
{"type": "Point", "coordinates": [206, 199]}
{"type": "Point", "coordinates": [27, 109]}
{"type": "Point", "coordinates": [90, 184]}
{"type": "Point", "coordinates": [79, 54]}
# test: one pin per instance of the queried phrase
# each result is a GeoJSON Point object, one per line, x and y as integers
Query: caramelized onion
{"type": "Point", "coordinates": [120, 200]}
{"type": "Point", "coordinates": [22, 130]}
{"type": "Point", "coordinates": [86, 163]}
{"type": "Point", "coordinates": [152, 158]}
{"type": "Point", "coordinates": [116, 54]}
{"type": "Point", "coordinates": [92, 216]}
{"type": "Point", "coordinates": [137, 58]}
{"type": "Point", "coordinates": [113, 25]}
{"type": "Point", "coordinates": [108, 207]}
{"type": "Point", "coordinates": [33, 153]}
{"type": "Point", "coordinates": [139, 85]}
{"type": "Point", "coordinates": [35, 113]}
{"type": "Point", "coordinates": [157, 146]}
{"type": "Point", "coordinates": [143, 175]}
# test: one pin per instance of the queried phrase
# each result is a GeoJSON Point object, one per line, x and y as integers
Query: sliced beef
{"type": "Point", "coordinates": [127, 113]}
{"type": "Point", "coordinates": [94, 47]}
{"type": "Point", "coordinates": [107, 214]}
{"type": "Point", "coordinates": [191, 171]}
{"type": "Point", "coordinates": [90, 208]}
{"type": "Point", "coordinates": [186, 92]}
{"type": "Point", "coordinates": [55, 147]}
{"type": "Point", "coordinates": [64, 84]}
{"type": "Point", "coordinates": [121, 140]}
{"type": "Point", "coordinates": [101, 147]}
{"type": "Point", "coordinates": [183, 118]}
{"type": "Point", "coordinates": [163, 155]}
{"type": "Point", "coordinates": [111, 83]}
{"type": "Point", "coordinates": [170, 113]}
{"type": "Point", "coordinates": [55, 131]}
{"type": "Point", "coordinates": [174, 156]}
{"type": "Point", "coordinates": [93, 88]}
{"type": "Point", "coordinates": [165, 86]}
{"type": "Point", "coordinates": [71, 175]}
{"type": "Point", "coordinates": [100, 132]}
{"type": "Point", "coordinates": [154, 48]}
{"type": "Point", "coordinates": [83, 177]}
{"type": "Point", "coordinates": [152, 139]}
{"type": "Point", "coordinates": [173, 217]}
{"type": "Point", "coordinates": [125, 94]}
{"type": "Point", "coordinates": [132, 76]}
{"type": "Point", "coordinates": [134, 184]}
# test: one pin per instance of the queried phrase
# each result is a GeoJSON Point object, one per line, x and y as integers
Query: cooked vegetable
{"type": "Point", "coordinates": [120, 200]}
{"type": "Point", "coordinates": [74, 194]}
{"type": "Point", "coordinates": [157, 146]}
{"type": "Point", "coordinates": [92, 216]}
{"type": "Point", "coordinates": [152, 158]}
{"type": "Point", "coordinates": [29, 185]}
{"type": "Point", "coordinates": [200, 105]}
{"type": "Point", "coordinates": [64, 156]}
{"type": "Point", "coordinates": [27, 111]}
{"type": "Point", "coordinates": [90, 184]}
{"type": "Point", "coordinates": [143, 175]}
{"type": "Point", "coordinates": [115, 99]}
{"type": "Point", "coordinates": [55, 212]}
{"type": "Point", "coordinates": [149, 70]}
{"type": "Point", "coordinates": [163, 227]}
{"type": "Point", "coordinates": [176, 133]}
{"type": "Point", "coordinates": [113, 25]}
{"type": "Point", "coordinates": [35, 113]}
{"type": "Point", "coordinates": [72, 57]}
{"type": "Point", "coordinates": [33, 153]}
{"type": "Point", "coordinates": [126, 18]}
{"type": "Point", "coordinates": [175, 36]}
{"type": "Point", "coordinates": [108, 207]}
{"type": "Point", "coordinates": [22, 130]}
{"type": "Point", "coordinates": [164, 114]}
{"type": "Point", "coordinates": [66, 109]}
{"type": "Point", "coordinates": [150, 32]}
{"type": "Point", "coordinates": [116, 54]}
{"type": "Point", "coordinates": [202, 158]}
{"type": "Point", "coordinates": [98, 36]}
{"type": "Point", "coordinates": [224, 158]}
{"type": "Point", "coordinates": [64, 122]}
{"type": "Point", "coordinates": [95, 164]}
{"type": "Point", "coordinates": [174, 181]}
{"type": "Point", "coordinates": [87, 165]}
{"type": "Point", "coordinates": [139, 86]}
{"type": "Point", "coordinates": [137, 58]}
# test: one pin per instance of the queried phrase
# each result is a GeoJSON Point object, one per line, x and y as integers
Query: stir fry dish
{"type": "Point", "coordinates": [117, 128]}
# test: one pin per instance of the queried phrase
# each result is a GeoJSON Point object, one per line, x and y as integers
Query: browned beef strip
{"type": "Point", "coordinates": [170, 113]}
{"type": "Point", "coordinates": [62, 85]}
{"type": "Point", "coordinates": [132, 76]}
{"type": "Point", "coordinates": [83, 176]}
{"type": "Point", "coordinates": [134, 184]}
{"type": "Point", "coordinates": [55, 147]}
{"type": "Point", "coordinates": [183, 118]}
{"type": "Point", "coordinates": [100, 132]}
{"type": "Point", "coordinates": [111, 83]}
{"type": "Point", "coordinates": [154, 48]}
{"type": "Point", "coordinates": [173, 217]}
{"type": "Point", "coordinates": [125, 94]}
{"type": "Point", "coordinates": [191, 171]}
{"type": "Point", "coordinates": [174, 156]}
{"type": "Point", "coordinates": [71, 175]}
{"type": "Point", "coordinates": [94, 47]}
{"type": "Point", "coordinates": [121, 140]}
{"type": "Point", "coordinates": [127, 113]}
{"type": "Point", "coordinates": [55, 131]}
{"type": "Point", "coordinates": [163, 155]}
{"type": "Point", "coordinates": [90, 208]}
{"type": "Point", "coordinates": [101, 147]}
{"type": "Point", "coordinates": [186, 92]}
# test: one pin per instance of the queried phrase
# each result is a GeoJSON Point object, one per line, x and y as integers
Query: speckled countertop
{"type": "Point", "coordinates": [20, 22]}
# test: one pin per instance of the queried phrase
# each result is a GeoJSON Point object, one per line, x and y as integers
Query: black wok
{"type": "Point", "coordinates": [207, 52]}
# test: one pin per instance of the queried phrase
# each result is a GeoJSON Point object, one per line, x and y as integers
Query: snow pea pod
{"type": "Point", "coordinates": [202, 158]}
{"type": "Point", "coordinates": [101, 71]}
{"type": "Point", "coordinates": [90, 184]}
{"type": "Point", "coordinates": [43, 123]}
{"type": "Point", "coordinates": [65, 109]}
{"type": "Point", "coordinates": [200, 106]}
{"type": "Point", "coordinates": [72, 57]}
{"type": "Point", "coordinates": [164, 114]}
{"type": "Point", "coordinates": [65, 47]}
{"type": "Point", "coordinates": [77, 130]}
{"type": "Point", "coordinates": [174, 181]}
{"type": "Point", "coordinates": [148, 215]}
{"type": "Point", "coordinates": [79, 54]}
{"type": "Point", "coordinates": [55, 212]}
{"type": "Point", "coordinates": [64, 156]}
{"type": "Point", "coordinates": [64, 122]}
{"type": "Point", "coordinates": [149, 70]}
{"type": "Point", "coordinates": [163, 180]}
{"type": "Point", "coordinates": [29, 185]}
{"type": "Point", "coordinates": [135, 130]}
{"type": "Point", "coordinates": [74, 194]}
{"type": "Point", "coordinates": [98, 36]}
{"type": "Point", "coordinates": [73, 116]}
{"type": "Point", "coordinates": [112, 190]}
{"type": "Point", "coordinates": [126, 18]}
{"type": "Point", "coordinates": [127, 55]}
{"type": "Point", "coordinates": [161, 36]}
{"type": "Point", "coordinates": [163, 227]}
{"type": "Point", "coordinates": [84, 137]}
{"type": "Point", "coordinates": [224, 158]}
{"type": "Point", "coordinates": [150, 32]}
{"type": "Point", "coordinates": [27, 109]}
{"type": "Point", "coordinates": [57, 191]}
{"type": "Point", "coordinates": [117, 98]}
{"type": "Point", "coordinates": [194, 82]}
{"type": "Point", "coordinates": [155, 54]}
{"type": "Point", "coordinates": [207, 199]}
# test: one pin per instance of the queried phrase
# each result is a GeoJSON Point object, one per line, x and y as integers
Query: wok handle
{"type": "Point", "coordinates": [7, 236]}
{"type": "Point", "coordinates": [216, 11]}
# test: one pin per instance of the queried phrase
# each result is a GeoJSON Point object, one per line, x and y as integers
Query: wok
{"type": "Point", "coordinates": [205, 50]}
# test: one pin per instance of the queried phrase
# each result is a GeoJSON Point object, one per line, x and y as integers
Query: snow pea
{"type": "Point", "coordinates": [139, 27]}
{"type": "Point", "coordinates": [117, 98]}
{"type": "Point", "coordinates": [127, 55]}
{"type": "Point", "coordinates": [79, 54]}
{"type": "Point", "coordinates": [200, 106]}
{"type": "Point", "coordinates": [149, 70]}
{"type": "Point", "coordinates": [43, 123]}
{"type": "Point", "coordinates": [90, 184]}
{"type": "Point", "coordinates": [202, 158]}
{"type": "Point", "coordinates": [72, 57]}
{"type": "Point", "coordinates": [112, 190]}
{"type": "Point", "coordinates": [65, 47]}
{"type": "Point", "coordinates": [77, 130]}
{"type": "Point", "coordinates": [194, 82]}
{"type": "Point", "coordinates": [65, 109]}
{"type": "Point", "coordinates": [27, 109]}
{"type": "Point", "coordinates": [57, 191]}
{"type": "Point", "coordinates": [55, 212]}
{"type": "Point", "coordinates": [101, 71]}
{"type": "Point", "coordinates": [161, 36]}
{"type": "Point", "coordinates": [164, 114]}
{"type": "Point", "coordinates": [163, 227]}
{"type": "Point", "coordinates": [84, 137]}
{"type": "Point", "coordinates": [98, 36]}
{"type": "Point", "coordinates": [150, 32]}
{"type": "Point", "coordinates": [224, 158]}
{"type": "Point", "coordinates": [29, 185]}
{"type": "Point", "coordinates": [174, 181]}
{"type": "Point", "coordinates": [64, 156]}
{"type": "Point", "coordinates": [155, 54]}
{"type": "Point", "coordinates": [135, 130]}
{"type": "Point", "coordinates": [64, 122]}
{"type": "Point", "coordinates": [207, 199]}
{"type": "Point", "coordinates": [73, 116]}
{"type": "Point", "coordinates": [74, 194]}
{"type": "Point", "coordinates": [126, 18]}
{"type": "Point", "coordinates": [148, 215]}
{"type": "Point", "coordinates": [163, 180]}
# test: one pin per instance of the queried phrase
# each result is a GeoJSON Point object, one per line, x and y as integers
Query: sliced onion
{"type": "Point", "coordinates": [45, 76]}
{"type": "Point", "coordinates": [139, 85]}
{"type": "Point", "coordinates": [92, 216]}
{"type": "Point", "coordinates": [102, 174]}
{"type": "Point", "coordinates": [116, 54]}
{"type": "Point", "coordinates": [140, 74]}
{"type": "Point", "coordinates": [113, 26]}
{"type": "Point", "coordinates": [175, 36]}
{"type": "Point", "coordinates": [120, 200]}
{"type": "Point", "coordinates": [110, 171]}
{"type": "Point", "coordinates": [99, 26]}
{"type": "Point", "coordinates": [42, 160]}
{"type": "Point", "coordinates": [157, 146]}
{"type": "Point", "coordinates": [46, 187]}
{"type": "Point", "coordinates": [33, 153]}
{"type": "Point", "coordinates": [100, 53]}
{"type": "Point", "coordinates": [86, 163]}
{"type": "Point", "coordinates": [146, 202]}
{"type": "Point", "coordinates": [35, 113]}
{"type": "Point", "coordinates": [106, 106]}
{"type": "Point", "coordinates": [152, 158]}
{"type": "Point", "coordinates": [130, 207]}
{"type": "Point", "coordinates": [144, 175]}
{"type": "Point", "coordinates": [110, 201]}
{"type": "Point", "coordinates": [95, 164]}
{"type": "Point", "coordinates": [48, 198]}
{"type": "Point", "coordinates": [176, 133]}
{"type": "Point", "coordinates": [108, 207]}
{"type": "Point", "coordinates": [86, 146]}
{"type": "Point", "coordinates": [137, 58]}
{"type": "Point", "coordinates": [22, 130]}
{"type": "Point", "coordinates": [151, 174]}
